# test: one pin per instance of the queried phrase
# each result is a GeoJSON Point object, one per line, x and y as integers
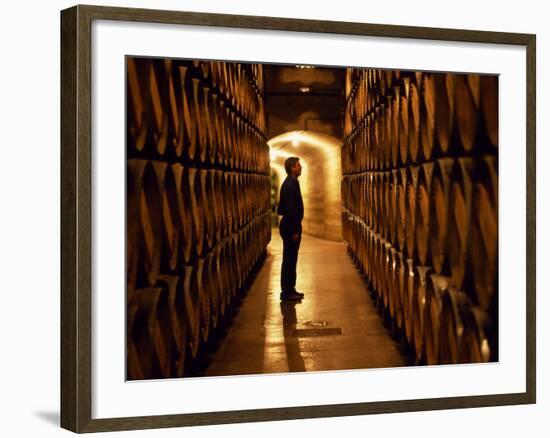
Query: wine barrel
{"type": "Point", "coordinates": [364, 147]}
{"type": "Point", "coordinates": [423, 207]}
{"type": "Point", "coordinates": [236, 123]}
{"type": "Point", "coordinates": [223, 147]}
{"type": "Point", "coordinates": [404, 121]}
{"type": "Point", "coordinates": [225, 279]}
{"type": "Point", "coordinates": [205, 69]}
{"type": "Point", "coordinates": [401, 209]}
{"type": "Point", "coordinates": [376, 200]}
{"type": "Point", "coordinates": [219, 207]}
{"type": "Point", "coordinates": [460, 212]}
{"type": "Point", "coordinates": [392, 278]}
{"type": "Point", "coordinates": [154, 303]}
{"type": "Point", "coordinates": [370, 125]}
{"type": "Point", "coordinates": [368, 261]}
{"type": "Point", "coordinates": [237, 263]}
{"type": "Point", "coordinates": [401, 279]}
{"type": "Point", "coordinates": [377, 271]}
{"type": "Point", "coordinates": [439, 213]}
{"type": "Point", "coordinates": [192, 288]}
{"type": "Point", "coordinates": [234, 147]}
{"type": "Point", "coordinates": [144, 193]}
{"type": "Point", "coordinates": [392, 206]}
{"type": "Point", "coordinates": [364, 249]}
{"type": "Point", "coordinates": [410, 210]}
{"type": "Point", "coordinates": [445, 108]}
{"type": "Point", "coordinates": [137, 71]}
{"type": "Point", "coordinates": [197, 210]}
{"type": "Point", "coordinates": [394, 127]}
{"type": "Point", "coordinates": [209, 123]}
{"type": "Point", "coordinates": [477, 337]}
{"type": "Point", "coordinates": [407, 294]}
{"type": "Point", "coordinates": [386, 124]}
{"type": "Point", "coordinates": [380, 208]}
{"type": "Point", "coordinates": [208, 209]}
{"type": "Point", "coordinates": [489, 106]}
{"type": "Point", "coordinates": [211, 289]}
{"type": "Point", "coordinates": [176, 307]}
{"type": "Point", "coordinates": [427, 116]}
{"type": "Point", "coordinates": [202, 276]}
{"type": "Point", "coordinates": [385, 208]}
{"type": "Point", "coordinates": [379, 141]}
{"type": "Point", "coordinates": [414, 122]}
{"type": "Point", "coordinates": [484, 231]}
{"type": "Point", "coordinates": [386, 274]}
{"type": "Point", "coordinates": [240, 199]}
{"type": "Point", "coordinates": [365, 200]}
{"type": "Point", "coordinates": [141, 361]}
{"type": "Point", "coordinates": [171, 231]}
{"type": "Point", "coordinates": [419, 308]}
{"type": "Point", "coordinates": [159, 107]}
{"type": "Point", "coordinates": [176, 119]}
{"type": "Point", "coordinates": [437, 286]}
{"type": "Point", "coordinates": [467, 95]}
{"type": "Point", "coordinates": [200, 121]}
{"type": "Point", "coordinates": [133, 190]}
{"type": "Point", "coordinates": [183, 201]}
{"type": "Point", "coordinates": [454, 305]}
{"type": "Point", "coordinates": [217, 135]}
{"type": "Point", "coordinates": [219, 277]}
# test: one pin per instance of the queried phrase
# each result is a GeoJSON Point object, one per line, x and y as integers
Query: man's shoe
{"type": "Point", "coordinates": [299, 293]}
{"type": "Point", "coordinates": [292, 296]}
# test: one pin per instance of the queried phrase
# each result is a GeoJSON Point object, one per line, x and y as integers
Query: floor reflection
{"type": "Point", "coordinates": [292, 344]}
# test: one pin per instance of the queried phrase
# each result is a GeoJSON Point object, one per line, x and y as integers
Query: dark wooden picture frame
{"type": "Point", "coordinates": [76, 214]}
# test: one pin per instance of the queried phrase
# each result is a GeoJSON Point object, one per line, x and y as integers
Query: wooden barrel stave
{"type": "Point", "coordinates": [423, 207]}
{"type": "Point", "coordinates": [439, 214]}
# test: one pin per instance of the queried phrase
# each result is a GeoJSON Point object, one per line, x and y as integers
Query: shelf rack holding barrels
{"type": "Point", "coordinates": [198, 204]}
{"type": "Point", "coordinates": [420, 195]}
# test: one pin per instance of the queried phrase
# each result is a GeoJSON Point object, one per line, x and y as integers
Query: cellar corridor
{"type": "Point", "coordinates": [335, 327]}
{"type": "Point", "coordinates": [399, 253]}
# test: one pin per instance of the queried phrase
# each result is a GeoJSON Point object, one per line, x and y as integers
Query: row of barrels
{"type": "Point", "coordinates": [443, 214]}
{"type": "Point", "coordinates": [177, 213]}
{"type": "Point", "coordinates": [420, 195]}
{"type": "Point", "coordinates": [439, 322]}
{"type": "Point", "coordinates": [403, 118]}
{"type": "Point", "coordinates": [208, 113]}
{"type": "Point", "coordinates": [170, 322]}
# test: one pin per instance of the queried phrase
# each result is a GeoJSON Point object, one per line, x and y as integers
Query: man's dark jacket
{"type": "Point", "coordinates": [291, 207]}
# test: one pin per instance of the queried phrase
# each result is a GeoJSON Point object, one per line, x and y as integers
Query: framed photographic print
{"type": "Point", "coordinates": [267, 218]}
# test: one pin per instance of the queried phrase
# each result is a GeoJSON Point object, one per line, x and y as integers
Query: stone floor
{"type": "Point", "coordinates": [335, 327]}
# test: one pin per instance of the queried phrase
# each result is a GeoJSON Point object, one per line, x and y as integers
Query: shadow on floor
{"type": "Point", "coordinates": [292, 344]}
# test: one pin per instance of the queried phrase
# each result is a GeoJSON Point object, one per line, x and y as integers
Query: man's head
{"type": "Point", "coordinates": [293, 166]}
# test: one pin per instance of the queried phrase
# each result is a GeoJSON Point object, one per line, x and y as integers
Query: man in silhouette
{"type": "Point", "coordinates": [291, 207]}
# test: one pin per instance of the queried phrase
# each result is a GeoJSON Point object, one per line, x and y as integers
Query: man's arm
{"type": "Point", "coordinates": [292, 207]}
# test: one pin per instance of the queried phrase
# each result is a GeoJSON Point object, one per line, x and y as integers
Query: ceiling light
{"type": "Point", "coordinates": [305, 66]}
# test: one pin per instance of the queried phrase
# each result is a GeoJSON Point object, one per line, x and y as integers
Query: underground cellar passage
{"type": "Point", "coordinates": [398, 243]}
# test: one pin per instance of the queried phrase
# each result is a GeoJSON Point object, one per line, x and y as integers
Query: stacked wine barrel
{"type": "Point", "coordinates": [420, 195]}
{"type": "Point", "coordinates": [198, 204]}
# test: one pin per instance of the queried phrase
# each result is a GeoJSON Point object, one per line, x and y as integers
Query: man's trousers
{"type": "Point", "coordinates": [290, 260]}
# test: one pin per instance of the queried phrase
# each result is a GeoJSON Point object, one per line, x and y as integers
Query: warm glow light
{"type": "Point", "coordinates": [305, 89]}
